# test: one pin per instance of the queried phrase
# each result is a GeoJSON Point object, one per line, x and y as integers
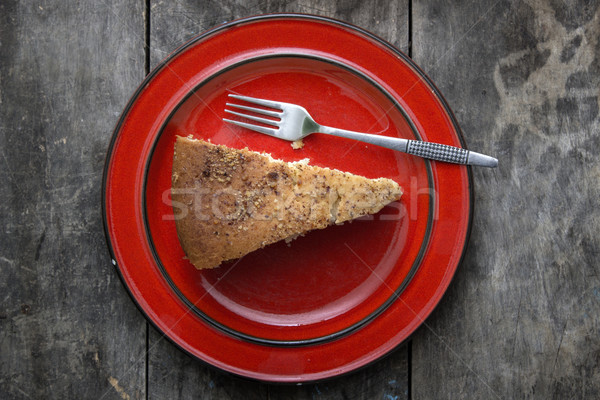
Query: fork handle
{"type": "Point", "coordinates": [429, 150]}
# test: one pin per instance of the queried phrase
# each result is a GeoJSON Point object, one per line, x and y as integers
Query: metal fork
{"type": "Point", "coordinates": [294, 123]}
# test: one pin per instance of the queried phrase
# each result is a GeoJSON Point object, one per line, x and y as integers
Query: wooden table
{"type": "Point", "coordinates": [521, 318]}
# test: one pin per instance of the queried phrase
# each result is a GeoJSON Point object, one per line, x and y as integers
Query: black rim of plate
{"type": "Point", "coordinates": [297, 342]}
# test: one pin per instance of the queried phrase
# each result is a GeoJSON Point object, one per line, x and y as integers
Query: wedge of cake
{"type": "Point", "coordinates": [229, 202]}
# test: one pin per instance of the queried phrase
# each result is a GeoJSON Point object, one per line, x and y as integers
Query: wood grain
{"type": "Point", "coordinates": [175, 22]}
{"type": "Point", "coordinates": [67, 328]}
{"type": "Point", "coordinates": [520, 319]}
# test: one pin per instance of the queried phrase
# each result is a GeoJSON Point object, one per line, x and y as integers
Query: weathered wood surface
{"type": "Point", "coordinates": [67, 328]}
{"type": "Point", "coordinates": [521, 317]}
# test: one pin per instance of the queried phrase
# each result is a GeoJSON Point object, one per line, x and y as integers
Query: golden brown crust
{"type": "Point", "coordinates": [230, 202]}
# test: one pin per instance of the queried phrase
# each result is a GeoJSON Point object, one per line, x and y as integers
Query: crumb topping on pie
{"type": "Point", "coordinates": [229, 202]}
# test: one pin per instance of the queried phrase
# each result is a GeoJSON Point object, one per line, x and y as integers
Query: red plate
{"type": "Point", "coordinates": [336, 299]}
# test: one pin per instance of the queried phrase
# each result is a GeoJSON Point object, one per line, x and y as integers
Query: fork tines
{"type": "Point", "coordinates": [260, 111]}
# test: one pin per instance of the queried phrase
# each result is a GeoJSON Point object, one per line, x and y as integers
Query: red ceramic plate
{"type": "Point", "coordinates": [333, 300]}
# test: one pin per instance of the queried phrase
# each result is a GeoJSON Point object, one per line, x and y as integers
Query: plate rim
{"type": "Point", "coordinates": [262, 17]}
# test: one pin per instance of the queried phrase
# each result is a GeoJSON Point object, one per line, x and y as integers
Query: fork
{"type": "Point", "coordinates": [293, 123]}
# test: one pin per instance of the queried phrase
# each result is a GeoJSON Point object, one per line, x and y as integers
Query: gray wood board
{"type": "Point", "coordinates": [172, 23]}
{"type": "Point", "coordinates": [67, 328]}
{"type": "Point", "coordinates": [521, 317]}
{"type": "Point", "coordinates": [173, 374]}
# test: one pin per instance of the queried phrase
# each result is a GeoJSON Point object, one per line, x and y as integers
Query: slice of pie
{"type": "Point", "coordinates": [229, 202]}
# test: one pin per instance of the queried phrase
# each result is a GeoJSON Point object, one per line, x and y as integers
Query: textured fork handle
{"type": "Point", "coordinates": [451, 154]}
{"type": "Point", "coordinates": [437, 151]}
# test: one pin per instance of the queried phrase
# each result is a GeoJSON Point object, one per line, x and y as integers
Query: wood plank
{"type": "Point", "coordinates": [175, 22]}
{"type": "Point", "coordinates": [68, 329]}
{"type": "Point", "coordinates": [520, 319]}
{"type": "Point", "coordinates": [173, 374]}
{"type": "Point", "coordinates": [384, 379]}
